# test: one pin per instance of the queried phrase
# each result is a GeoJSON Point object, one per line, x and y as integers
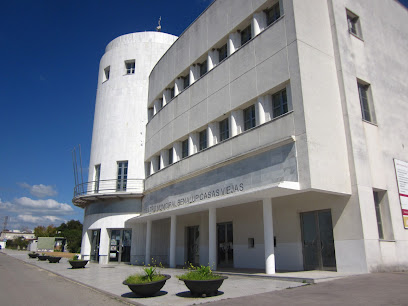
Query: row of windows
{"type": "Point", "coordinates": [129, 68]}
{"type": "Point", "coordinates": [278, 106]}
{"type": "Point", "coordinates": [215, 57]}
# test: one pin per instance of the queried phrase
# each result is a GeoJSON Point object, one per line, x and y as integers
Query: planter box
{"type": "Point", "coordinates": [54, 259]}
{"type": "Point", "coordinates": [33, 255]}
{"type": "Point", "coordinates": [148, 289]}
{"type": "Point", "coordinates": [76, 264]}
{"type": "Point", "coordinates": [42, 257]}
{"type": "Point", "coordinates": [204, 287]}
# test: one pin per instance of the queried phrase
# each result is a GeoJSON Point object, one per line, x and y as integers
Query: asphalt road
{"type": "Point", "coordinates": [24, 284]}
{"type": "Point", "coordinates": [368, 289]}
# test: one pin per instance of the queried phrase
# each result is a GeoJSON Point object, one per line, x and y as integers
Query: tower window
{"type": "Point", "coordinates": [130, 67]}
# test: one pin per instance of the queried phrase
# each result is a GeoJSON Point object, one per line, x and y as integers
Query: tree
{"type": "Point", "coordinates": [18, 242]}
{"type": "Point", "coordinates": [42, 231]}
{"type": "Point", "coordinates": [72, 231]}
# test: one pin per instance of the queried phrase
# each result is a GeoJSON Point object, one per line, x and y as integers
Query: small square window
{"type": "Point", "coordinates": [130, 67]}
{"type": "Point", "coordinates": [367, 108]}
{"type": "Point", "coordinates": [106, 73]}
{"type": "Point", "coordinates": [272, 14]}
{"type": "Point", "coordinates": [222, 53]}
{"type": "Point", "coordinates": [203, 140]}
{"type": "Point", "coordinates": [203, 68]}
{"type": "Point", "coordinates": [184, 148]}
{"type": "Point", "coordinates": [354, 26]}
{"type": "Point", "coordinates": [246, 35]}
{"type": "Point", "coordinates": [249, 118]}
{"type": "Point", "coordinates": [170, 156]}
{"type": "Point", "coordinates": [279, 103]}
{"type": "Point", "coordinates": [224, 129]}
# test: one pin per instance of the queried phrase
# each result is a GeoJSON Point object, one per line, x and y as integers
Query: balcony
{"type": "Point", "coordinates": [92, 191]}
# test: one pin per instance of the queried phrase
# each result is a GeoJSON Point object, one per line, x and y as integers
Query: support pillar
{"type": "Point", "coordinates": [268, 237]}
{"type": "Point", "coordinates": [173, 225]}
{"type": "Point", "coordinates": [212, 239]}
{"type": "Point", "coordinates": [148, 242]}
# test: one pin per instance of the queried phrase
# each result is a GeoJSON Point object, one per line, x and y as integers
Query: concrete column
{"type": "Point", "coordinates": [212, 133]}
{"type": "Point", "coordinates": [213, 59]}
{"type": "Point", "coordinates": [148, 256]}
{"type": "Point", "coordinates": [212, 237]}
{"type": "Point", "coordinates": [157, 105]}
{"type": "Point", "coordinates": [194, 73]}
{"type": "Point", "coordinates": [177, 151]}
{"type": "Point", "coordinates": [234, 42]}
{"type": "Point", "coordinates": [179, 86]}
{"type": "Point", "coordinates": [173, 225]}
{"type": "Point", "coordinates": [259, 110]}
{"type": "Point", "coordinates": [192, 143]}
{"type": "Point", "coordinates": [86, 246]}
{"type": "Point", "coordinates": [267, 106]}
{"type": "Point", "coordinates": [236, 122]}
{"type": "Point", "coordinates": [258, 23]}
{"type": "Point", "coordinates": [104, 247]}
{"type": "Point", "coordinates": [268, 236]}
{"type": "Point", "coordinates": [164, 158]}
{"type": "Point", "coordinates": [204, 239]}
{"type": "Point", "coordinates": [166, 96]}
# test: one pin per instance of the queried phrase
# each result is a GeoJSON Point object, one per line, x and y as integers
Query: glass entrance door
{"type": "Point", "coordinates": [225, 245]}
{"type": "Point", "coordinates": [318, 241]}
{"type": "Point", "coordinates": [119, 249]}
{"type": "Point", "coordinates": [95, 241]}
{"type": "Point", "coordinates": [193, 245]}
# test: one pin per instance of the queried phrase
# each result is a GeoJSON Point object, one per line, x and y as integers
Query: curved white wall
{"type": "Point", "coordinates": [120, 110]}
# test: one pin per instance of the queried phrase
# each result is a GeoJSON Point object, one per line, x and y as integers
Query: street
{"type": "Point", "coordinates": [24, 284]}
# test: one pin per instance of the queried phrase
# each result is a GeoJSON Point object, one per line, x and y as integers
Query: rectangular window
{"type": "Point", "coordinates": [222, 53]}
{"type": "Point", "coordinates": [203, 68]}
{"type": "Point", "coordinates": [97, 178]}
{"type": "Point", "coordinates": [172, 93]}
{"type": "Point", "coordinates": [170, 156]}
{"type": "Point", "coordinates": [186, 81]}
{"type": "Point", "coordinates": [122, 176]}
{"type": "Point", "coordinates": [272, 14]}
{"type": "Point", "coordinates": [377, 203]}
{"type": "Point", "coordinates": [106, 73]}
{"type": "Point", "coordinates": [203, 140]}
{"type": "Point", "coordinates": [249, 118]}
{"type": "Point", "coordinates": [279, 103]}
{"type": "Point", "coordinates": [366, 105]}
{"type": "Point", "coordinates": [184, 148]}
{"type": "Point", "coordinates": [150, 112]}
{"type": "Point", "coordinates": [246, 35]}
{"type": "Point", "coordinates": [224, 129]}
{"type": "Point", "coordinates": [148, 168]}
{"type": "Point", "coordinates": [353, 22]}
{"type": "Point", "coordinates": [130, 67]}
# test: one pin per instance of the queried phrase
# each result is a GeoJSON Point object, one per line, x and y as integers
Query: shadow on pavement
{"type": "Point", "coordinates": [187, 294]}
{"type": "Point", "coordinates": [132, 295]}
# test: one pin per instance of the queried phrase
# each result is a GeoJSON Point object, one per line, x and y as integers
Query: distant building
{"type": "Point", "coordinates": [10, 235]}
{"type": "Point", "coordinates": [269, 135]}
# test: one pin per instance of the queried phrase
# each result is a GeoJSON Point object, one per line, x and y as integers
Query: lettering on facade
{"type": "Point", "coordinates": [219, 192]}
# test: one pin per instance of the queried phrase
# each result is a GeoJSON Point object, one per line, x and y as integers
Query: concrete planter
{"type": "Point", "coordinates": [148, 289]}
{"type": "Point", "coordinates": [204, 287]}
{"type": "Point", "coordinates": [76, 264]}
{"type": "Point", "coordinates": [54, 259]}
{"type": "Point", "coordinates": [42, 257]}
{"type": "Point", "coordinates": [33, 255]}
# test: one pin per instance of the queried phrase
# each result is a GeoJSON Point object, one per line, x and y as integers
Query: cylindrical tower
{"type": "Point", "coordinates": [114, 189]}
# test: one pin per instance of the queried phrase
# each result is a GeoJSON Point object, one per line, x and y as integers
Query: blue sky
{"type": "Point", "coordinates": [50, 52]}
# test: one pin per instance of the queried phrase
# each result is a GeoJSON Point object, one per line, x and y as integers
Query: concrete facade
{"type": "Point", "coordinates": [279, 118]}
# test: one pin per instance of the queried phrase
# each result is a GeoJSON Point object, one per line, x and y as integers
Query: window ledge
{"type": "Point", "coordinates": [356, 36]}
{"type": "Point", "coordinates": [369, 122]}
{"type": "Point", "coordinates": [387, 240]}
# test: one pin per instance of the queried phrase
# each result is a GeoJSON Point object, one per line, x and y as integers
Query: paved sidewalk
{"type": "Point", "coordinates": [108, 279]}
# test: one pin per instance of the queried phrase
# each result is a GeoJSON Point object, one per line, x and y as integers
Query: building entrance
{"type": "Point", "coordinates": [119, 248]}
{"type": "Point", "coordinates": [95, 241]}
{"type": "Point", "coordinates": [193, 245]}
{"type": "Point", "coordinates": [318, 241]}
{"type": "Point", "coordinates": [225, 245]}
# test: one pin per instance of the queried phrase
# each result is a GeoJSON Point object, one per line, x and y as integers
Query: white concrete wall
{"type": "Point", "coordinates": [120, 109]}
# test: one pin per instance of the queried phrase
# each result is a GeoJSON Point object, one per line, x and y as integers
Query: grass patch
{"type": "Point", "coordinates": [199, 273]}
{"type": "Point", "coordinates": [144, 279]}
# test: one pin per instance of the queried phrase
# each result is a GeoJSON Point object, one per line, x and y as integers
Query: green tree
{"type": "Point", "coordinates": [20, 242]}
{"type": "Point", "coordinates": [72, 231]}
{"type": "Point", "coordinates": [42, 231]}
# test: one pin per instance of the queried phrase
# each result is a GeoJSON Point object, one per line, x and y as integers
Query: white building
{"type": "Point", "coordinates": [273, 129]}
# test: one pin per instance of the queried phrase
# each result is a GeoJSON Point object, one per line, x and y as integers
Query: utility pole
{"type": "Point", "coordinates": [6, 218]}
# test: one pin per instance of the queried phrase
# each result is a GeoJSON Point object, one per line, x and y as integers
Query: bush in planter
{"type": "Point", "coordinates": [147, 283]}
{"type": "Point", "coordinates": [202, 281]}
{"type": "Point", "coordinates": [75, 262]}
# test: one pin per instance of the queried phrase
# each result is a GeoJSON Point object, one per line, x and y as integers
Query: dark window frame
{"type": "Point", "coordinates": [279, 103]}
{"type": "Point", "coordinates": [224, 129]}
{"type": "Point", "coordinates": [249, 117]}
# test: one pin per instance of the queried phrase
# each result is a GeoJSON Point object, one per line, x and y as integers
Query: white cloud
{"type": "Point", "coordinates": [40, 191]}
{"type": "Point", "coordinates": [39, 220]}
{"type": "Point", "coordinates": [48, 206]}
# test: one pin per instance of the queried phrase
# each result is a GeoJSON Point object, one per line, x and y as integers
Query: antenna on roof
{"type": "Point", "coordinates": [158, 28]}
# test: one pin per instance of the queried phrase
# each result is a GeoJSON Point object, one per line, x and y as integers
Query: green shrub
{"type": "Point", "coordinates": [199, 273]}
{"type": "Point", "coordinates": [150, 275]}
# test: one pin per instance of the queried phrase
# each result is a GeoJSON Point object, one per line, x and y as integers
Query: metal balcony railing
{"type": "Point", "coordinates": [102, 187]}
